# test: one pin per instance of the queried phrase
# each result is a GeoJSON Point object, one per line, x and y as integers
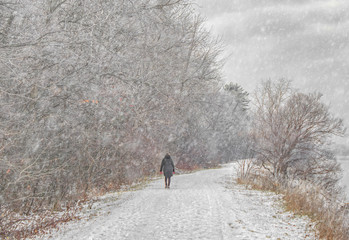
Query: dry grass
{"type": "Point", "coordinates": [45, 218]}
{"type": "Point", "coordinates": [251, 175]}
{"type": "Point", "coordinates": [331, 220]}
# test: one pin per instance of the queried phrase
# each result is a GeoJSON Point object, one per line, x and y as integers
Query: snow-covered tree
{"type": "Point", "coordinates": [93, 92]}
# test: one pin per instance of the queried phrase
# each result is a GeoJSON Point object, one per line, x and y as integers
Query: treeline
{"type": "Point", "coordinates": [93, 93]}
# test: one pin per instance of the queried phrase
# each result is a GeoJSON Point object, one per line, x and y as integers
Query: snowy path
{"type": "Point", "coordinates": [202, 205]}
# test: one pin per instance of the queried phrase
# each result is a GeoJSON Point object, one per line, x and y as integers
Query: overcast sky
{"type": "Point", "coordinates": [306, 41]}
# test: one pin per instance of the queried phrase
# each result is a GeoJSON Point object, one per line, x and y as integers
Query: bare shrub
{"type": "Point", "coordinates": [245, 169]}
{"type": "Point", "coordinates": [21, 226]}
{"type": "Point", "coordinates": [251, 174]}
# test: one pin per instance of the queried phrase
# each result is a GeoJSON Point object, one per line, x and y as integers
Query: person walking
{"type": "Point", "coordinates": [168, 167]}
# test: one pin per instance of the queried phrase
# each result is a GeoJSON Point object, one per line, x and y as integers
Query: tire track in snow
{"type": "Point", "coordinates": [202, 205]}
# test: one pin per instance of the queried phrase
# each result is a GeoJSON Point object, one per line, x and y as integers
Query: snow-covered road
{"type": "Point", "coordinates": [202, 205]}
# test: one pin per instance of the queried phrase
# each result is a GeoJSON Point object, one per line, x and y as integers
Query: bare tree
{"type": "Point", "coordinates": [292, 132]}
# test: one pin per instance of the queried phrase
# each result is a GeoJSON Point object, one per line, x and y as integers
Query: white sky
{"type": "Point", "coordinates": [306, 41]}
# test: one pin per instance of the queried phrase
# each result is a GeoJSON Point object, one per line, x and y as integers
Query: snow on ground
{"type": "Point", "coordinates": [202, 205]}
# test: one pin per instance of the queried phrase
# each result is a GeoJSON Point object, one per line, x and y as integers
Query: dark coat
{"type": "Point", "coordinates": [167, 165]}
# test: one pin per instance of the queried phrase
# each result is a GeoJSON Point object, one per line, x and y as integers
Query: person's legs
{"type": "Point", "coordinates": [169, 182]}
{"type": "Point", "coordinates": [165, 182]}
